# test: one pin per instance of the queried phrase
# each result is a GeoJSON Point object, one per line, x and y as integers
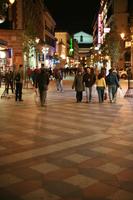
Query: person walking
{"type": "Point", "coordinates": [0, 78]}
{"type": "Point", "coordinates": [42, 82]}
{"type": "Point", "coordinates": [9, 79]}
{"type": "Point", "coordinates": [101, 85]}
{"type": "Point", "coordinates": [89, 79]}
{"type": "Point", "coordinates": [58, 75]}
{"type": "Point", "coordinates": [113, 84]}
{"type": "Point", "coordinates": [19, 83]}
{"type": "Point", "coordinates": [78, 84]}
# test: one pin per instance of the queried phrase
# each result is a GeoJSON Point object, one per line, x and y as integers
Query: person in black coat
{"type": "Point", "coordinates": [42, 82]}
{"type": "Point", "coordinates": [89, 79]}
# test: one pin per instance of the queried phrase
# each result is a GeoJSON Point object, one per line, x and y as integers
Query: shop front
{"type": "Point", "coordinates": [3, 54]}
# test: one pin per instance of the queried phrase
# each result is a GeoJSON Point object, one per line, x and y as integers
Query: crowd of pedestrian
{"type": "Point", "coordinates": [86, 78]}
{"type": "Point", "coordinates": [84, 81]}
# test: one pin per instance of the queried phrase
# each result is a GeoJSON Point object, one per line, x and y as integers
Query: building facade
{"type": "Point", "coordinates": [62, 47]}
{"type": "Point", "coordinates": [85, 41]}
{"type": "Point", "coordinates": [28, 20]}
{"type": "Point", "coordinates": [115, 15]}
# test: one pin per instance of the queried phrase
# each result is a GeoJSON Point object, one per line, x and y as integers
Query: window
{"type": "Point", "coordinates": [81, 38]}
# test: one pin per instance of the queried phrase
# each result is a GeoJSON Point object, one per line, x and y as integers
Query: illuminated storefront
{"type": "Point", "coordinates": [6, 56]}
{"type": "Point", "coordinates": [2, 54]}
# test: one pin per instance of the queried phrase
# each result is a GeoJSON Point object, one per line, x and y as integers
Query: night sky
{"type": "Point", "coordinates": [73, 15]}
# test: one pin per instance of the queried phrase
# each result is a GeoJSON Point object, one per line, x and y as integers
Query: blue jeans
{"type": "Point", "coordinates": [112, 89]}
{"type": "Point", "coordinates": [59, 85]}
{"type": "Point", "coordinates": [100, 91]}
{"type": "Point", "coordinates": [88, 93]}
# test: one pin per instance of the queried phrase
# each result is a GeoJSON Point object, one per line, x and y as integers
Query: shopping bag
{"type": "Point", "coordinates": [120, 92]}
{"type": "Point", "coordinates": [105, 96]}
{"type": "Point", "coordinates": [37, 97]}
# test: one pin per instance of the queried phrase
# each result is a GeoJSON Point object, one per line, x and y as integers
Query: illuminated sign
{"type": "Point", "coordinates": [71, 47]}
{"type": "Point", "coordinates": [106, 30]}
{"type": "Point", "coordinates": [99, 28]}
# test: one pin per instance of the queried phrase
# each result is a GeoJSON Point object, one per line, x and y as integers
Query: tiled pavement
{"type": "Point", "coordinates": [66, 151]}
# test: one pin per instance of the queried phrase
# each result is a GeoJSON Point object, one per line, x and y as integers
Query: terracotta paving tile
{"type": "Point", "coordinates": [127, 185]}
{"type": "Point", "coordinates": [63, 189]}
{"type": "Point", "coordinates": [26, 173]}
{"type": "Point", "coordinates": [121, 195]}
{"type": "Point", "coordinates": [97, 174]}
{"type": "Point", "coordinates": [40, 194]}
{"type": "Point", "coordinates": [92, 163]}
{"type": "Point", "coordinates": [99, 190]}
{"type": "Point", "coordinates": [66, 151]}
{"type": "Point", "coordinates": [126, 175]}
{"type": "Point", "coordinates": [61, 174]}
{"type": "Point", "coordinates": [24, 187]}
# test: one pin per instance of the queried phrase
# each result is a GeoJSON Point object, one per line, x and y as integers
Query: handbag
{"type": "Point", "coordinates": [105, 96]}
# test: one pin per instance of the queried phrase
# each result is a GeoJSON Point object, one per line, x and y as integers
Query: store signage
{"type": "Point", "coordinates": [99, 28]}
{"type": "Point", "coordinates": [106, 30]}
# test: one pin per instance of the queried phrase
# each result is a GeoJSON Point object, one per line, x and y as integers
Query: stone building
{"type": "Point", "coordinates": [26, 17]}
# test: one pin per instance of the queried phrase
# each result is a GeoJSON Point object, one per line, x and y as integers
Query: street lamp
{"type": "Point", "coordinates": [122, 36]}
{"type": "Point", "coordinates": [11, 1]}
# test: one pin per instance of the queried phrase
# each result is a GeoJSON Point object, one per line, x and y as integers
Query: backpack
{"type": "Point", "coordinates": [17, 77]}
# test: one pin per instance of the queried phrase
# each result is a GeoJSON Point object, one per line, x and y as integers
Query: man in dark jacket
{"type": "Point", "coordinates": [89, 79]}
{"type": "Point", "coordinates": [42, 82]}
{"type": "Point", "coordinates": [113, 84]}
{"type": "Point", "coordinates": [19, 83]}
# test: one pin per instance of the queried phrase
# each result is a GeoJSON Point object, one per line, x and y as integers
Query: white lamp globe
{"type": "Point", "coordinates": [11, 1]}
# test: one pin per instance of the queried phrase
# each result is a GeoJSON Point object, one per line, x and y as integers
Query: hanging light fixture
{"type": "Point", "coordinates": [11, 1]}
{"type": "Point", "coordinates": [2, 19]}
{"type": "Point", "coordinates": [3, 9]}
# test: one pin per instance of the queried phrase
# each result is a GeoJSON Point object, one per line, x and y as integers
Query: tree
{"type": "Point", "coordinates": [29, 45]}
{"type": "Point", "coordinates": [29, 36]}
{"type": "Point", "coordinates": [112, 46]}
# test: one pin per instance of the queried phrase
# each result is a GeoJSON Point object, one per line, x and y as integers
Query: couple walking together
{"type": "Point", "coordinates": [85, 81]}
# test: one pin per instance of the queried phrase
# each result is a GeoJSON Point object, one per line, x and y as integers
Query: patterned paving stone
{"type": "Point", "coordinates": [121, 195]}
{"type": "Point", "coordinates": [66, 151]}
{"type": "Point", "coordinates": [2, 148]}
{"type": "Point", "coordinates": [111, 168]}
{"type": "Point", "coordinates": [45, 167]}
{"type": "Point", "coordinates": [77, 158]}
{"type": "Point", "coordinates": [8, 179]}
{"type": "Point", "coordinates": [81, 181]}
{"type": "Point", "coordinates": [25, 142]}
{"type": "Point", "coordinates": [40, 194]}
